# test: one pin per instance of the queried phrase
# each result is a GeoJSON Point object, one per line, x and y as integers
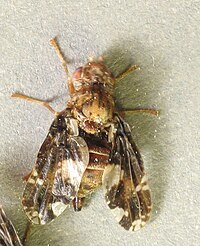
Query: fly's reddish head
{"type": "Point", "coordinates": [94, 72]}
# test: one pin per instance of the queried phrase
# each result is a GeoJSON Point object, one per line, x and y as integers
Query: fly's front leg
{"type": "Point", "coordinates": [30, 99]}
{"type": "Point", "coordinates": [127, 72]}
{"type": "Point", "coordinates": [59, 53]}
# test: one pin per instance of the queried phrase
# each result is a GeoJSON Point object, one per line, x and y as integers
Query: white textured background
{"type": "Point", "coordinates": [163, 38]}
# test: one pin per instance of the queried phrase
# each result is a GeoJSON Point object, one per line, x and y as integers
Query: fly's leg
{"type": "Point", "coordinates": [59, 53]}
{"type": "Point", "coordinates": [30, 99]}
{"type": "Point", "coordinates": [26, 177]}
{"type": "Point", "coordinates": [138, 110]}
{"type": "Point", "coordinates": [148, 111]}
{"type": "Point", "coordinates": [127, 72]}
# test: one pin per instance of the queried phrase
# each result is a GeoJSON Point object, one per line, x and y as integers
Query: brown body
{"type": "Point", "coordinates": [93, 106]}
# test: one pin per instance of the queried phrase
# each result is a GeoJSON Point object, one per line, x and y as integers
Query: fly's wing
{"type": "Point", "coordinates": [8, 234]}
{"type": "Point", "coordinates": [56, 176]}
{"type": "Point", "coordinates": [128, 194]}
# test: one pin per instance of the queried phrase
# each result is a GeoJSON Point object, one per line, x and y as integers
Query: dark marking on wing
{"type": "Point", "coordinates": [127, 194]}
{"type": "Point", "coordinates": [56, 177]}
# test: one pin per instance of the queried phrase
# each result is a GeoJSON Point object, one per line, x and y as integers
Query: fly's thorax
{"type": "Point", "coordinates": [92, 103]}
{"type": "Point", "coordinates": [93, 110]}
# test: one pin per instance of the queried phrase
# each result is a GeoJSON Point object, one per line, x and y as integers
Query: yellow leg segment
{"type": "Point", "coordinates": [127, 72]}
{"type": "Point", "coordinates": [58, 51]}
{"type": "Point", "coordinates": [30, 99]}
{"type": "Point", "coordinates": [148, 111]}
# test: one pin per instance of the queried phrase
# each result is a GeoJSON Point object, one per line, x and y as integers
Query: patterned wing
{"type": "Point", "coordinates": [8, 234]}
{"type": "Point", "coordinates": [55, 179]}
{"type": "Point", "coordinates": [128, 194]}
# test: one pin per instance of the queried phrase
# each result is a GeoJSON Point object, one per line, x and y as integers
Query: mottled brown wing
{"type": "Point", "coordinates": [8, 234]}
{"type": "Point", "coordinates": [55, 179]}
{"type": "Point", "coordinates": [128, 194]}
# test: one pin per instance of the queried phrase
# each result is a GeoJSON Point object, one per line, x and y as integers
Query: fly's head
{"type": "Point", "coordinates": [93, 73]}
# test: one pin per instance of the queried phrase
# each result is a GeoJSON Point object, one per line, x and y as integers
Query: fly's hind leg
{"type": "Point", "coordinates": [59, 53]}
{"type": "Point", "coordinates": [142, 110]}
{"type": "Point", "coordinates": [30, 99]}
{"type": "Point", "coordinates": [26, 177]}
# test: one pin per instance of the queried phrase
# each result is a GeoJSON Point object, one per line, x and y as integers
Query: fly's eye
{"type": "Point", "coordinates": [77, 73]}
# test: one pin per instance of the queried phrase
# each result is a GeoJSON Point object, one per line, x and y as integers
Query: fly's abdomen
{"type": "Point", "coordinates": [92, 177]}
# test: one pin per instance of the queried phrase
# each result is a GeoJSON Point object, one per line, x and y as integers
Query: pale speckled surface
{"type": "Point", "coordinates": [160, 36]}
